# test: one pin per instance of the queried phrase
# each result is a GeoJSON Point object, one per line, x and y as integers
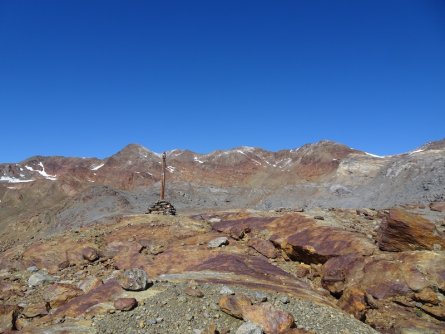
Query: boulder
{"type": "Point", "coordinates": [189, 291]}
{"type": "Point", "coordinates": [36, 310]}
{"type": "Point", "coordinates": [353, 301]}
{"type": "Point", "coordinates": [125, 304]}
{"type": "Point", "coordinates": [134, 279]}
{"type": "Point", "coordinates": [58, 294]}
{"type": "Point", "coordinates": [264, 247]}
{"type": "Point", "coordinates": [271, 319]}
{"type": "Point", "coordinates": [218, 242]}
{"type": "Point", "coordinates": [234, 304]}
{"type": "Point", "coordinates": [403, 231]}
{"type": "Point", "coordinates": [39, 277]}
{"type": "Point", "coordinates": [249, 328]}
{"type": "Point", "coordinates": [90, 254]}
{"type": "Point", "coordinates": [89, 284]}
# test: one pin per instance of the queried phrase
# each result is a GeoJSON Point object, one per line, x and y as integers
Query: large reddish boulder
{"type": "Point", "coordinates": [271, 319]}
{"type": "Point", "coordinates": [309, 241]}
{"type": "Point", "coordinates": [404, 231]}
{"type": "Point", "coordinates": [264, 247]}
{"type": "Point", "coordinates": [59, 293]}
{"type": "Point", "coordinates": [234, 305]}
{"type": "Point", "coordinates": [125, 304]}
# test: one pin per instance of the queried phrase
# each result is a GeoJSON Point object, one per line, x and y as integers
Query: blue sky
{"type": "Point", "coordinates": [86, 77]}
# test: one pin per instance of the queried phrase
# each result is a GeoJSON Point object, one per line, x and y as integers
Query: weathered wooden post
{"type": "Point", "coordinates": [162, 206]}
{"type": "Point", "coordinates": [164, 166]}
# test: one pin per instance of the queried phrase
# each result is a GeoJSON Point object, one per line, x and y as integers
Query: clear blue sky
{"type": "Point", "coordinates": [86, 77]}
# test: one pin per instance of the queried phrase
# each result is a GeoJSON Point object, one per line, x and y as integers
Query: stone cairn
{"type": "Point", "coordinates": [162, 207]}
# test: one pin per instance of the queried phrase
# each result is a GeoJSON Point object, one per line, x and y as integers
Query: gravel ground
{"type": "Point", "coordinates": [172, 311]}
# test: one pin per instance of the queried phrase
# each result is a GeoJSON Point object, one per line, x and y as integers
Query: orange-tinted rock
{"type": "Point", "coordinates": [427, 295]}
{"type": "Point", "coordinates": [125, 304]}
{"type": "Point", "coordinates": [189, 291]}
{"type": "Point", "coordinates": [353, 302]}
{"type": "Point", "coordinates": [438, 206]}
{"type": "Point", "coordinates": [437, 311]}
{"type": "Point", "coordinates": [263, 247]}
{"type": "Point", "coordinates": [271, 319]}
{"type": "Point", "coordinates": [78, 306]}
{"type": "Point", "coordinates": [90, 254]}
{"type": "Point", "coordinates": [404, 231]}
{"type": "Point", "coordinates": [59, 293]}
{"type": "Point", "coordinates": [55, 254]}
{"type": "Point", "coordinates": [36, 310]}
{"type": "Point", "coordinates": [234, 304]}
{"type": "Point", "coordinates": [306, 240]}
{"type": "Point", "coordinates": [89, 284]}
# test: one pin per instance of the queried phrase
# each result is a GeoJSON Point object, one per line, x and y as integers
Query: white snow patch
{"type": "Point", "coordinates": [171, 169]}
{"type": "Point", "coordinates": [45, 174]}
{"type": "Point", "coordinates": [11, 187]}
{"type": "Point", "coordinates": [197, 160]}
{"type": "Point", "coordinates": [416, 151]}
{"type": "Point", "coordinates": [13, 179]}
{"type": "Point", "coordinates": [98, 166]}
{"type": "Point", "coordinates": [374, 155]}
{"type": "Point", "coordinates": [29, 168]}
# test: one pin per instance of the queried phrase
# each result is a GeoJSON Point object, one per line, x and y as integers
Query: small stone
{"type": "Point", "coordinates": [40, 278]}
{"type": "Point", "coordinates": [218, 242]}
{"type": "Point", "coordinates": [125, 304]}
{"type": "Point", "coordinates": [189, 317]}
{"type": "Point", "coordinates": [193, 292]}
{"type": "Point", "coordinates": [90, 254]}
{"type": "Point", "coordinates": [225, 290]}
{"type": "Point", "coordinates": [159, 320]}
{"type": "Point", "coordinates": [141, 324]}
{"type": "Point", "coordinates": [284, 299]}
{"type": "Point", "coordinates": [249, 328]}
{"type": "Point", "coordinates": [261, 297]}
{"type": "Point", "coordinates": [319, 217]}
{"type": "Point", "coordinates": [32, 269]}
{"type": "Point", "coordinates": [152, 321]}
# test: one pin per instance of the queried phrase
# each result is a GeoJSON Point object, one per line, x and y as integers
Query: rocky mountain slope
{"type": "Point", "coordinates": [265, 242]}
{"type": "Point", "coordinates": [62, 192]}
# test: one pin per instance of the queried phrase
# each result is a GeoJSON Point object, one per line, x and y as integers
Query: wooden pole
{"type": "Point", "coordinates": [163, 176]}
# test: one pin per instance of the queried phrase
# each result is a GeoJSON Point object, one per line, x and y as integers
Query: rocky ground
{"type": "Point", "coordinates": [235, 271]}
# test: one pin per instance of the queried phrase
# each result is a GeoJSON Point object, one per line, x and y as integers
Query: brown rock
{"type": "Point", "coordinates": [437, 312]}
{"type": "Point", "coordinates": [302, 270]}
{"type": "Point", "coordinates": [90, 254]}
{"type": "Point", "coordinates": [438, 206]}
{"type": "Point", "coordinates": [8, 316]}
{"type": "Point", "coordinates": [125, 304]}
{"type": "Point", "coordinates": [271, 319]}
{"type": "Point", "coordinates": [234, 304]}
{"type": "Point", "coordinates": [77, 306]}
{"type": "Point", "coordinates": [306, 240]}
{"type": "Point", "coordinates": [298, 331]}
{"type": "Point", "coordinates": [353, 302]}
{"type": "Point", "coordinates": [427, 295]}
{"type": "Point", "coordinates": [89, 284]}
{"type": "Point", "coordinates": [210, 329]}
{"type": "Point", "coordinates": [263, 247]}
{"type": "Point", "coordinates": [404, 231]}
{"type": "Point", "coordinates": [36, 310]}
{"type": "Point", "coordinates": [193, 292]}
{"type": "Point", "coordinates": [58, 294]}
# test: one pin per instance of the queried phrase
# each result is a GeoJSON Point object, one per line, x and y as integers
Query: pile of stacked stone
{"type": "Point", "coordinates": [162, 207]}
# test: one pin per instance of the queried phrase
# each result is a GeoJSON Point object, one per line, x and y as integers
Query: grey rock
{"type": "Point", "coordinates": [32, 269]}
{"type": "Point", "coordinates": [225, 290]}
{"type": "Point", "coordinates": [261, 297]}
{"type": "Point", "coordinates": [249, 328]}
{"type": "Point", "coordinates": [134, 279]}
{"type": "Point", "coordinates": [218, 242]}
{"type": "Point", "coordinates": [40, 278]}
{"type": "Point", "coordinates": [284, 299]}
